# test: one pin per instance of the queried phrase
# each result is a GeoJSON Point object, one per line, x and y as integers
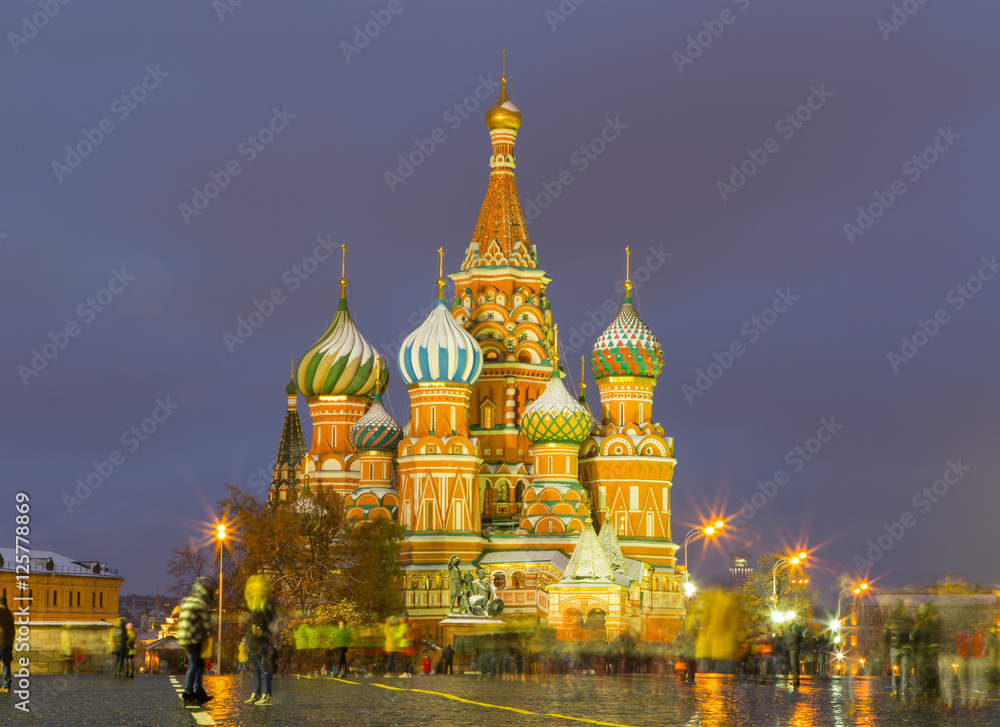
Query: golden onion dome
{"type": "Point", "coordinates": [503, 114]}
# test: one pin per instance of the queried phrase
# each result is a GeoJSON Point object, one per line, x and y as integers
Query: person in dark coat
{"type": "Point", "coordinates": [119, 638]}
{"type": "Point", "coordinates": [793, 636]}
{"type": "Point", "coordinates": [6, 641]}
{"type": "Point", "coordinates": [342, 639]}
{"type": "Point", "coordinates": [926, 642]}
{"type": "Point", "coordinates": [446, 658]}
{"type": "Point", "coordinates": [259, 639]}
{"type": "Point", "coordinates": [193, 630]}
{"type": "Point", "coordinates": [896, 637]}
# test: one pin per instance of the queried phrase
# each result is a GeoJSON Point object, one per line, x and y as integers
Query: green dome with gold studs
{"type": "Point", "coordinates": [555, 416]}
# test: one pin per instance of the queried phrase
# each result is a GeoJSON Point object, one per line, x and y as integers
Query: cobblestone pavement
{"type": "Point", "coordinates": [635, 700]}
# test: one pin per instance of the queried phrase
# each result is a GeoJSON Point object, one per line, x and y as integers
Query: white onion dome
{"type": "Point", "coordinates": [341, 362]}
{"type": "Point", "coordinates": [555, 416]}
{"type": "Point", "coordinates": [440, 350]}
{"type": "Point", "coordinates": [376, 430]}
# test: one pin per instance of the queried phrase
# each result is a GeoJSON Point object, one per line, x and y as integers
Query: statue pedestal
{"type": "Point", "coordinates": [461, 630]}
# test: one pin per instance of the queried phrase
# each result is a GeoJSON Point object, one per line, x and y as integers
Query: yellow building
{"type": "Point", "coordinates": [72, 608]}
{"type": "Point", "coordinates": [498, 463]}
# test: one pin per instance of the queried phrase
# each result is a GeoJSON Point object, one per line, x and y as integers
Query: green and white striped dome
{"type": "Point", "coordinates": [341, 362]}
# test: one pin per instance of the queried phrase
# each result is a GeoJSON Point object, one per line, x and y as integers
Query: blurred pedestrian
{"type": "Point", "coordinates": [964, 649]}
{"type": "Point", "coordinates": [259, 639]}
{"type": "Point", "coordinates": [342, 639]}
{"type": "Point", "coordinates": [793, 635]}
{"type": "Point", "coordinates": [947, 666]}
{"type": "Point", "coordinates": [447, 656]}
{"type": "Point", "coordinates": [390, 644]}
{"type": "Point", "coordinates": [978, 666]}
{"type": "Point", "coordinates": [242, 656]}
{"type": "Point", "coordinates": [119, 637]}
{"type": "Point", "coordinates": [926, 642]}
{"type": "Point", "coordinates": [192, 635]}
{"type": "Point", "coordinates": [129, 651]}
{"type": "Point", "coordinates": [6, 642]}
{"type": "Point", "coordinates": [896, 636]}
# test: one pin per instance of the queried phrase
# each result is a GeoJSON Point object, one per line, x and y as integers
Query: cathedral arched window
{"type": "Point", "coordinates": [621, 412]}
{"type": "Point", "coordinates": [453, 419]}
{"type": "Point", "coordinates": [550, 465]}
{"type": "Point", "coordinates": [499, 580]}
{"type": "Point", "coordinates": [486, 415]}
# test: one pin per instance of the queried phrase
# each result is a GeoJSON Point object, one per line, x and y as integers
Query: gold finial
{"type": "Point", "coordinates": [343, 271]}
{"type": "Point", "coordinates": [583, 373]}
{"type": "Point", "coordinates": [555, 349]}
{"type": "Point", "coordinates": [628, 273]}
{"type": "Point", "coordinates": [441, 280]}
{"type": "Point", "coordinates": [503, 71]}
{"type": "Point", "coordinates": [291, 360]}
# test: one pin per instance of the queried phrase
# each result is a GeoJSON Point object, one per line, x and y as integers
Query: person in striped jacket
{"type": "Point", "coordinates": [193, 630]}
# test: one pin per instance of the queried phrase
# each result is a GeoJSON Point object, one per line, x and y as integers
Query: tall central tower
{"type": "Point", "coordinates": [500, 300]}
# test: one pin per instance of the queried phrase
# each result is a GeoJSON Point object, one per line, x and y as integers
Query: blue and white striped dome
{"type": "Point", "coordinates": [440, 350]}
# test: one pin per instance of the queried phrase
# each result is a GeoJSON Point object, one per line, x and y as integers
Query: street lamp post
{"type": "Point", "coordinates": [221, 535]}
{"type": "Point", "coordinates": [710, 529]}
{"type": "Point", "coordinates": [857, 590]}
{"type": "Point", "coordinates": [794, 560]}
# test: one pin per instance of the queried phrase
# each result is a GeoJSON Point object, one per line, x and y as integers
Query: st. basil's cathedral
{"type": "Point", "coordinates": [498, 463]}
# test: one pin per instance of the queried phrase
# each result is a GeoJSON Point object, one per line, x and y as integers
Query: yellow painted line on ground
{"type": "Point", "coordinates": [484, 704]}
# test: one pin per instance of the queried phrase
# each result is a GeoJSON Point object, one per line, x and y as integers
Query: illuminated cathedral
{"type": "Point", "coordinates": [498, 462]}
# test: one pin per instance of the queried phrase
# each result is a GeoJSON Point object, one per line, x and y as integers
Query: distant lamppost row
{"type": "Point", "coordinates": [794, 560]}
{"type": "Point", "coordinates": [220, 533]}
{"type": "Point", "coordinates": [709, 529]}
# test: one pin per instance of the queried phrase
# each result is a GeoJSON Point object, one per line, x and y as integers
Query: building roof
{"type": "Point", "coordinates": [591, 563]}
{"type": "Point", "coordinates": [60, 563]}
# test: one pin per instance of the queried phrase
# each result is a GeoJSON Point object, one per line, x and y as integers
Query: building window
{"type": "Point", "coordinates": [602, 498]}
{"type": "Point", "coordinates": [550, 464]}
{"type": "Point", "coordinates": [102, 600]}
{"type": "Point", "coordinates": [78, 599]}
{"type": "Point", "coordinates": [621, 412]}
{"type": "Point", "coordinates": [568, 471]}
{"type": "Point", "coordinates": [499, 580]}
{"type": "Point", "coordinates": [649, 524]}
{"type": "Point", "coordinates": [622, 523]}
{"type": "Point", "coordinates": [486, 415]}
{"type": "Point", "coordinates": [458, 516]}
{"type": "Point", "coordinates": [55, 597]}
{"type": "Point", "coordinates": [93, 600]}
{"type": "Point", "coordinates": [453, 420]}
{"type": "Point", "coordinates": [633, 498]}
{"type": "Point", "coordinates": [434, 418]}
{"type": "Point", "coordinates": [666, 501]}
{"type": "Point", "coordinates": [429, 515]}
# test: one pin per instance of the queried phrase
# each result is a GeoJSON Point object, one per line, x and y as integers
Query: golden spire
{"type": "Point", "coordinates": [583, 373]}
{"type": "Point", "coordinates": [555, 349]}
{"type": "Point", "coordinates": [503, 114]}
{"type": "Point", "coordinates": [441, 280]}
{"type": "Point", "coordinates": [628, 273]}
{"type": "Point", "coordinates": [343, 271]}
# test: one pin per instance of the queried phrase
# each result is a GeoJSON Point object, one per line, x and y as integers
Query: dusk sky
{"type": "Point", "coordinates": [744, 226]}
